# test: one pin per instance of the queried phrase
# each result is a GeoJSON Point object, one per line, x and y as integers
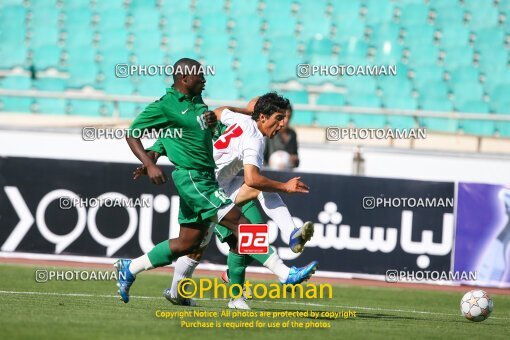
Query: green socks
{"type": "Point", "coordinates": [161, 255]}
{"type": "Point", "coordinates": [236, 271]}
{"type": "Point", "coordinates": [252, 213]}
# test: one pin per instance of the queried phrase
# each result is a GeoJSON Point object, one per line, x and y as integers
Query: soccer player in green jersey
{"type": "Point", "coordinates": [182, 111]}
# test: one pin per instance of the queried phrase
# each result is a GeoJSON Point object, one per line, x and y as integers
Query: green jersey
{"type": "Point", "coordinates": [159, 147]}
{"type": "Point", "coordinates": [186, 138]}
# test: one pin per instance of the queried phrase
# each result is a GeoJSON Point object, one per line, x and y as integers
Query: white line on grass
{"type": "Point", "coordinates": [262, 301]}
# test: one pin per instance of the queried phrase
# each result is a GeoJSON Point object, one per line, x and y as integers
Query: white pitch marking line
{"type": "Point", "coordinates": [262, 301]}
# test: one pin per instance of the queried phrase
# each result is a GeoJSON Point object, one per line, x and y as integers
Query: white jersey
{"type": "Point", "coordinates": [241, 143]}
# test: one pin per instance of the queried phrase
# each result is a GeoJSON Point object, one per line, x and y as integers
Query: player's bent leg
{"type": "Point", "coordinates": [246, 194]}
{"type": "Point", "coordinates": [161, 255]}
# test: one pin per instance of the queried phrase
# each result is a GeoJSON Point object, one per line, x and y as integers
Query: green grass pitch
{"type": "Point", "coordinates": [91, 310]}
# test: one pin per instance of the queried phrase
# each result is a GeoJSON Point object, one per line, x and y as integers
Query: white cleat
{"type": "Point", "coordinates": [300, 236]}
{"type": "Point", "coordinates": [238, 303]}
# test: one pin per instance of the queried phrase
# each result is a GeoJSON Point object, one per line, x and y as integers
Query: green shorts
{"type": "Point", "coordinates": [201, 198]}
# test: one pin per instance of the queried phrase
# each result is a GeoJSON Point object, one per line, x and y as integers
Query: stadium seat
{"type": "Point", "coordinates": [214, 26]}
{"type": "Point", "coordinates": [403, 103]}
{"type": "Point", "coordinates": [419, 34]}
{"type": "Point", "coordinates": [313, 21]}
{"type": "Point", "coordinates": [16, 104]}
{"type": "Point", "coordinates": [46, 56]}
{"type": "Point", "coordinates": [111, 19]}
{"type": "Point", "coordinates": [296, 97]}
{"type": "Point", "coordinates": [332, 119]}
{"type": "Point", "coordinates": [413, 14]}
{"type": "Point", "coordinates": [336, 99]}
{"type": "Point", "coordinates": [483, 16]}
{"type": "Point", "coordinates": [476, 127]}
{"type": "Point", "coordinates": [255, 85]}
{"type": "Point", "coordinates": [433, 90]}
{"type": "Point", "coordinates": [378, 11]}
{"type": "Point", "coordinates": [115, 4]}
{"type": "Point", "coordinates": [150, 86]}
{"type": "Point", "coordinates": [43, 36]}
{"type": "Point", "coordinates": [319, 46]}
{"type": "Point", "coordinates": [454, 35]}
{"type": "Point", "coordinates": [49, 84]}
{"type": "Point", "coordinates": [426, 74]}
{"type": "Point", "coordinates": [460, 56]}
{"type": "Point", "coordinates": [467, 92]}
{"type": "Point", "coordinates": [353, 51]}
{"type": "Point", "coordinates": [364, 85]}
{"type": "Point", "coordinates": [423, 55]}
{"type": "Point", "coordinates": [17, 83]}
{"type": "Point", "coordinates": [302, 118]}
{"type": "Point", "coordinates": [85, 107]}
{"type": "Point", "coordinates": [347, 29]}
{"type": "Point", "coordinates": [182, 43]}
{"type": "Point", "coordinates": [243, 8]}
{"type": "Point", "coordinates": [113, 85]}
{"type": "Point", "coordinates": [493, 60]}
{"type": "Point", "coordinates": [144, 18]}
{"type": "Point", "coordinates": [438, 124]}
{"type": "Point", "coordinates": [366, 120]}
{"type": "Point", "coordinates": [464, 75]}
{"type": "Point", "coordinates": [247, 28]}
{"type": "Point", "coordinates": [490, 38]}
{"type": "Point", "coordinates": [50, 106]}
{"type": "Point", "coordinates": [450, 15]}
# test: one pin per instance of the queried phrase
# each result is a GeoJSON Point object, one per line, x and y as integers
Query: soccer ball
{"type": "Point", "coordinates": [476, 305]}
{"type": "Point", "coordinates": [280, 160]}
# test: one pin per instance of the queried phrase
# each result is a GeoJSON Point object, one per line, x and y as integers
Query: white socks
{"type": "Point", "coordinates": [275, 264]}
{"type": "Point", "coordinates": [184, 268]}
{"type": "Point", "coordinates": [274, 207]}
{"type": "Point", "coordinates": [140, 264]}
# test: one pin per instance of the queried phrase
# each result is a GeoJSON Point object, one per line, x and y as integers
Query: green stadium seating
{"type": "Point", "coordinates": [295, 97]}
{"type": "Point", "coordinates": [454, 35]}
{"type": "Point", "coordinates": [378, 11]}
{"type": "Point", "coordinates": [423, 55]}
{"type": "Point", "coordinates": [50, 106]}
{"type": "Point", "coordinates": [332, 119]}
{"type": "Point", "coordinates": [256, 44]}
{"type": "Point", "coordinates": [85, 107]}
{"type": "Point", "coordinates": [483, 16]}
{"type": "Point", "coordinates": [460, 56]}
{"type": "Point", "coordinates": [476, 127]}
{"type": "Point", "coordinates": [46, 56]}
{"type": "Point", "coordinates": [243, 8]}
{"type": "Point", "coordinates": [302, 118]}
{"type": "Point", "coordinates": [419, 34]}
{"type": "Point", "coordinates": [16, 104]}
{"type": "Point", "coordinates": [438, 124]}
{"type": "Point", "coordinates": [50, 84]}
{"type": "Point", "coordinates": [413, 14]}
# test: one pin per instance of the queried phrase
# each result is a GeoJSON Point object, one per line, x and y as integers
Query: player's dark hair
{"type": "Point", "coordinates": [184, 66]}
{"type": "Point", "coordinates": [268, 104]}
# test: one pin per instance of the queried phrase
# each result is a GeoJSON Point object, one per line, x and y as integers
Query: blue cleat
{"type": "Point", "coordinates": [299, 236]}
{"type": "Point", "coordinates": [298, 275]}
{"type": "Point", "coordinates": [125, 278]}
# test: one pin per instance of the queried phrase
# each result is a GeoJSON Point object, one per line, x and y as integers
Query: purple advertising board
{"type": "Point", "coordinates": [483, 233]}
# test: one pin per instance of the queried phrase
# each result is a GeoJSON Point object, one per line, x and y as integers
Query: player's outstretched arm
{"type": "Point", "coordinates": [156, 175]}
{"type": "Point", "coordinates": [254, 179]}
{"type": "Point", "coordinates": [248, 110]}
{"type": "Point", "coordinates": [154, 152]}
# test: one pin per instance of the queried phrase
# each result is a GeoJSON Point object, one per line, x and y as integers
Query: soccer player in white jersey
{"type": "Point", "coordinates": [241, 144]}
